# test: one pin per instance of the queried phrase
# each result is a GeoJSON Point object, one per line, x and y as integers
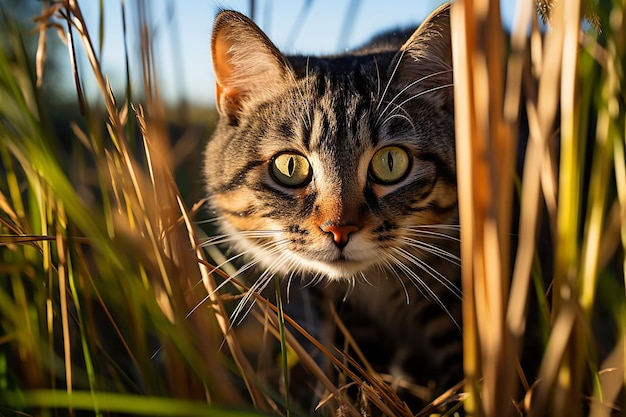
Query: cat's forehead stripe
{"type": "Point", "coordinates": [337, 115]}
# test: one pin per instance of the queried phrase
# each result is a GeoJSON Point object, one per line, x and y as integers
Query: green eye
{"type": "Point", "coordinates": [291, 169]}
{"type": "Point", "coordinates": [389, 165]}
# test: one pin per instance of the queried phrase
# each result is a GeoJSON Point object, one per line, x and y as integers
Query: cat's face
{"type": "Point", "coordinates": [332, 166]}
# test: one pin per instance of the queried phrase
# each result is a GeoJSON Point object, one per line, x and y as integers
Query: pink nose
{"type": "Point", "coordinates": [341, 233]}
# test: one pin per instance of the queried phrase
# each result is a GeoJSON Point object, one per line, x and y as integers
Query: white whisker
{"type": "Point", "coordinates": [393, 74]}
{"type": "Point", "coordinates": [377, 78]}
{"type": "Point", "coordinates": [427, 233]}
{"type": "Point", "coordinates": [226, 238]}
{"type": "Point", "coordinates": [397, 276]}
{"type": "Point", "coordinates": [401, 116]}
{"type": "Point", "coordinates": [209, 221]}
{"type": "Point", "coordinates": [433, 249]}
{"type": "Point", "coordinates": [422, 286]}
{"type": "Point", "coordinates": [421, 93]}
{"type": "Point", "coordinates": [431, 271]}
{"type": "Point", "coordinates": [407, 87]}
{"type": "Point", "coordinates": [443, 226]}
{"type": "Point", "coordinates": [289, 285]}
{"type": "Point", "coordinates": [259, 285]}
{"type": "Point", "coordinates": [269, 248]}
{"type": "Point", "coordinates": [365, 280]}
{"type": "Point", "coordinates": [263, 246]}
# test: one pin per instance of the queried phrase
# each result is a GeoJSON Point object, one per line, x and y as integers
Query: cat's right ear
{"type": "Point", "coordinates": [246, 63]}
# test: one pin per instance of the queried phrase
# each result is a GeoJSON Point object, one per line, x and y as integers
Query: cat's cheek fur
{"type": "Point", "coordinates": [238, 204]}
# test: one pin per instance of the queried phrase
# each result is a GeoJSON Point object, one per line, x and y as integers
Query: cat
{"type": "Point", "coordinates": [340, 170]}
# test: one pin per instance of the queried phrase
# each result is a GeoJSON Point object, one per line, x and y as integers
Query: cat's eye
{"type": "Point", "coordinates": [291, 169]}
{"type": "Point", "coordinates": [390, 165]}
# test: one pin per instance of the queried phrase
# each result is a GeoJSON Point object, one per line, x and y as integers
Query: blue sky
{"type": "Point", "coordinates": [182, 30]}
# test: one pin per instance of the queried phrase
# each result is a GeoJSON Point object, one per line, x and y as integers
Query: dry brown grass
{"type": "Point", "coordinates": [554, 72]}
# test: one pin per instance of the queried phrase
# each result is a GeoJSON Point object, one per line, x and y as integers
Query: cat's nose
{"type": "Point", "coordinates": [341, 232]}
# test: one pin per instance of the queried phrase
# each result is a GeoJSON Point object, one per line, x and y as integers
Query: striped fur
{"type": "Point", "coordinates": [391, 247]}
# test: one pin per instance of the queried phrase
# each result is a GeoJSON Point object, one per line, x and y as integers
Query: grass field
{"type": "Point", "coordinates": [109, 304]}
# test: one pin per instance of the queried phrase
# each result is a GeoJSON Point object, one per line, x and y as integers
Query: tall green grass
{"type": "Point", "coordinates": [101, 263]}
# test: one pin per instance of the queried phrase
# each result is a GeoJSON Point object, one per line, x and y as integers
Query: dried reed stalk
{"type": "Point", "coordinates": [486, 116]}
{"type": "Point", "coordinates": [485, 155]}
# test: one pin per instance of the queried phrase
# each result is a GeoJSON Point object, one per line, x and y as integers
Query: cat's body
{"type": "Point", "coordinates": [341, 170]}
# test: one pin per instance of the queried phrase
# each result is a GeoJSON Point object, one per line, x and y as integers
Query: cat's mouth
{"type": "Point", "coordinates": [336, 263]}
{"type": "Point", "coordinates": [339, 267]}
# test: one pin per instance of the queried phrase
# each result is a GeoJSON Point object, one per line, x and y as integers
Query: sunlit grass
{"type": "Point", "coordinates": [100, 261]}
{"type": "Point", "coordinates": [555, 76]}
{"type": "Point", "coordinates": [95, 299]}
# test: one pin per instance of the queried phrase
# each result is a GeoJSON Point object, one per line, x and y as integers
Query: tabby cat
{"type": "Point", "coordinates": [340, 170]}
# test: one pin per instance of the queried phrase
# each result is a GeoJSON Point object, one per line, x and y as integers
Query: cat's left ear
{"type": "Point", "coordinates": [426, 59]}
{"type": "Point", "coordinates": [246, 63]}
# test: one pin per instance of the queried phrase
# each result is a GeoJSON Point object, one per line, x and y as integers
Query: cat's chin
{"type": "Point", "coordinates": [336, 270]}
